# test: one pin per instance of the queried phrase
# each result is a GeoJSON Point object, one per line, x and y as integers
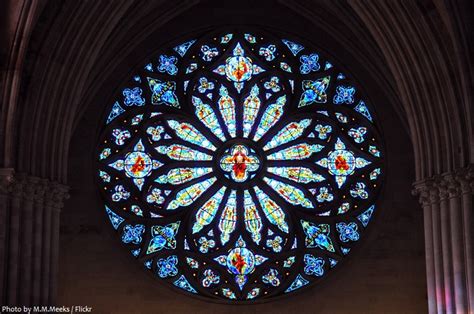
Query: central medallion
{"type": "Point", "coordinates": [239, 163]}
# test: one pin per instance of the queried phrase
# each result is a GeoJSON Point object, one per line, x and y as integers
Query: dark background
{"type": "Point", "coordinates": [385, 274]}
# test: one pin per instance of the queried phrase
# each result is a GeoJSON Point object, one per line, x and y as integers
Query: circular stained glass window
{"type": "Point", "coordinates": [240, 166]}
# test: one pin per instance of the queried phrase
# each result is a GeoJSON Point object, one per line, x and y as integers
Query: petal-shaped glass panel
{"type": "Point", "coordinates": [181, 152]}
{"type": "Point", "coordinates": [190, 134]}
{"type": "Point", "coordinates": [182, 175]}
{"type": "Point", "coordinates": [228, 218]}
{"type": "Point", "coordinates": [207, 212]}
{"type": "Point", "coordinates": [271, 116]}
{"type": "Point", "coordinates": [227, 109]}
{"type": "Point", "coordinates": [291, 194]}
{"type": "Point", "coordinates": [188, 195]}
{"type": "Point", "coordinates": [290, 132]}
{"type": "Point", "coordinates": [251, 107]}
{"type": "Point", "coordinates": [297, 174]}
{"type": "Point", "coordinates": [207, 116]}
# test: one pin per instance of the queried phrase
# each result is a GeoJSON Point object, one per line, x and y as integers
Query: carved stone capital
{"type": "Point", "coordinates": [426, 191]}
{"type": "Point", "coordinates": [56, 194]}
{"type": "Point", "coordinates": [445, 186]}
{"type": "Point", "coordinates": [30, 188]}
{"type": "Point", "coordinates": [453, 186]}
{"type": "Point", "coordinates": [40, 191]}
{"type": "Point", "coordinates": [6, 180]}
{"type": "Point", "coordinates": [17, 187]}
{"type": "Point", "coordinates": [465, 177]}
{"type": "Point", "coordinates": [26, 186]}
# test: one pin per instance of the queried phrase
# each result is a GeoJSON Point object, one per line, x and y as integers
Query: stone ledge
{"type": "Point", "coordinates": [445, 186]}
{"type": "Point", "coordinates": [32, 188]}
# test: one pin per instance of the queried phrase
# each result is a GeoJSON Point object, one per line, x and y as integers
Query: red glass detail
{"type": "Point", "coordinates": [241, 70]}
{"type": "Point", "coordinates": [139, 165]}
{"type": "Point", "coordinates": [238, 262]}
{"type": "Point", "coordinates": [292, 126]}
{"type": "Point", "coordinates": [240, 164]}
{"type": "Point", "coordinates": [341, 163]}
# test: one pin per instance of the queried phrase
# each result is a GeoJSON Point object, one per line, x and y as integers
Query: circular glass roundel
{"type": "Point", "coordinates": [240, 166]}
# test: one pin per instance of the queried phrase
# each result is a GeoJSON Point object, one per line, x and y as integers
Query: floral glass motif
{"type": "Point", "coordinates": [163, 92]}
{"type": "Point", "coordinates": [309, 63]}
{"type": "Point", "coordinates": [167, 266]}
{"type": "Point", "coordinates": [168, 64]}
{"type": "Point", "coordinates": [313, 265]}
{"type": "Point", "coordinates": [341, 162]}
{"type": "Point", "coordinates": [268, 52]}
{"type": "Point", "coordinates": [344, 94]}
{"type": "Point", "coordinates": [273, 84]}
{"type": "Point", "coordinates": [314, 91]}
{"type": "Point", "coordinates": [208, 53]}
{"type": "Point", "coordinates": [230, 175]}
{"type": "Point", "coordinates": [133, 234]}
{"type": "Point", "coordinates": [137, 164]}
{"type": "Point", "coordinates": [133, 97]}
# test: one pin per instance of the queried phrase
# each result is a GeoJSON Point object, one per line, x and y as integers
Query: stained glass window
{"type": "Point", "coordinates": [240, 165]}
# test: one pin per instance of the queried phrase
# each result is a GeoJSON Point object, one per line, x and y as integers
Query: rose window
{"type": "Point", "coordinates": [240, 166]}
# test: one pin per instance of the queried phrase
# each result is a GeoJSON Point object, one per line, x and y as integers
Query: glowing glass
{"type": "Point", "coordinates": [240, 166]}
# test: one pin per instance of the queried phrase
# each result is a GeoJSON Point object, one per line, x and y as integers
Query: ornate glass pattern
{"type": "Point", "coordinates": [240, 166]}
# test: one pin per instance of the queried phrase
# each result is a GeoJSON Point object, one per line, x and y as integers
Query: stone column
{"type": "Point", "coordinates": [56, 199]}
{"type": "Point", "coordinates": [29, 215]}
{"type": "Point", "coordinates": [6, 180]}
{"type": "Point", "coordinates": [38, 244]}
{"type": "Point", "coordinates": [467, 187]}
{"type": "Point", "coordinates": [449, 229]}
{"type": "Point", "coordinates": [424, 192]}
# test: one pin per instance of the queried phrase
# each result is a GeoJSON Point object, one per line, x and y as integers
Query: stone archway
{"type": "Point", "coordinates": [418, 52]}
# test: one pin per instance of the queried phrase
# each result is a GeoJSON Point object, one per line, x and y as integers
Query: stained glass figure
{"type": "Point", "coordinates": [137, 164]}
{"type": "Point", "coordinates": [227, 110]}
{"type": "Point", "coordinates": [240, 166]}
{"type": "Point", "coordinates": [290, 132]}
{"type": "Point", "coordinates": [270, 117]}
{"type": "Point", "coordinates": [341, 162]}
{"type": "Point", "coordinates": [207, 212]}
{"type": "Point", "coordinates": [208, 117]}
{"type": "Point", "coordinates": [190, 134]}
{"type": "Point", "coordinates": [228, 218]}
{"type": "Point", "coordinates": [181, 152]}
{"type": "Point", "coordinates": [182, 175]}
{"type": "Point", "coordinates": [239, 68]}
{"type": "Point", "coordinates": [296, 152]}
{"type": "Point", "coordinates": [240, 162]}
{"type": "Point", "coordinates": [251, 107]}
